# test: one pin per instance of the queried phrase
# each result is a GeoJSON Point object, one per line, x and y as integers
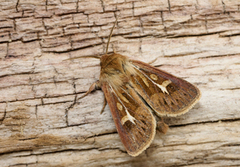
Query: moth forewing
{"type": "Point", "coordinates": [166, 94]}
{"type": "Point", "coordinates": [134, 121]}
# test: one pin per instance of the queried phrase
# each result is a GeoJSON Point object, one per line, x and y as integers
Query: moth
{"type": "Point", "coordinates": [137, 93]}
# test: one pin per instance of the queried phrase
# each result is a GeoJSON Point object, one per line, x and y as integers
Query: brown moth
{"type": "Point", "coordinates": [134, 91]}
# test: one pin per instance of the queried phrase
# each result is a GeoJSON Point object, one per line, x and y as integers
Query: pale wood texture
{"type": "Point", "coordinates": [43, 124]}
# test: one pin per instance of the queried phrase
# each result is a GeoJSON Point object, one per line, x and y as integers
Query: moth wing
{"type": "Point", "coordinates": [166, 94]}
{"type": "Point", "coordinates": [133, 119]}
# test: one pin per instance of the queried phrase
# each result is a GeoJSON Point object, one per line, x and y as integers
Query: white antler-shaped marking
{"type": "Point", "coordinates": [164, 85]}
{"type": "Point", "coordinates": [127, 117]}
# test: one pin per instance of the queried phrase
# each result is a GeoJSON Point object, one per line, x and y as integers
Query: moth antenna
{"type": "Point", "coordinates": [111, 35]}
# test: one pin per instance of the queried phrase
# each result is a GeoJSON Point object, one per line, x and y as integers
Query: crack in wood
{"type": "Point", "coordinates": [169, 6]}
{"type": "Point", "coordinates": [219, 56]}
{"type": "Point", "coordinates": [205, 122]}
{"type": "Point", "coordinates": [103, 6]}
{"type": "Point", "coordinates": [71, 106]}
{"type": "Point", "coordinates": [4, 115]}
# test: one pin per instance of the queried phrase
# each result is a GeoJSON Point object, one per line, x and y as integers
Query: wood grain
{"type": "Point", "coordinates": [42, 122]}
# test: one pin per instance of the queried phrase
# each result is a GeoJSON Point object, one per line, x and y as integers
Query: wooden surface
{"type": "Point", "coordinates": [43, 124]}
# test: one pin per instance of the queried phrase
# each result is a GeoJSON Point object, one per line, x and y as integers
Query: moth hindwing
{"type": "Point", "coordinates": [134, 91]}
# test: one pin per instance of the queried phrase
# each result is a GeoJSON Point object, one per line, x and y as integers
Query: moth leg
{"type": "Point", "coordinates": [104, 105]}
{"type": "Point", "coordinates": [162, 127]}
{"type": "Point", "coordinates": [93, 87]}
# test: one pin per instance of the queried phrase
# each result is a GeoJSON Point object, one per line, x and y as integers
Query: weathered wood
{"type": "Point", "coordinates": [43, 124]}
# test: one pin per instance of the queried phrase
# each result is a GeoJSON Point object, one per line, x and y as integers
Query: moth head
{"type": "Point", "coordinates": [103, 59]}
{"type": "Point", "coordinates": [113, 59]}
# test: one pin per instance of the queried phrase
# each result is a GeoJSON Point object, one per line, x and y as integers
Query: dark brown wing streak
{"type": "Point", "coordinates": [133, 119]}
{"type": "Point", "coordinates": [165, 93]}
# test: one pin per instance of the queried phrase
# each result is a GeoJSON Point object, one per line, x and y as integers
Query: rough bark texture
{"type": "Point", "coordinates": [43, 124]}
